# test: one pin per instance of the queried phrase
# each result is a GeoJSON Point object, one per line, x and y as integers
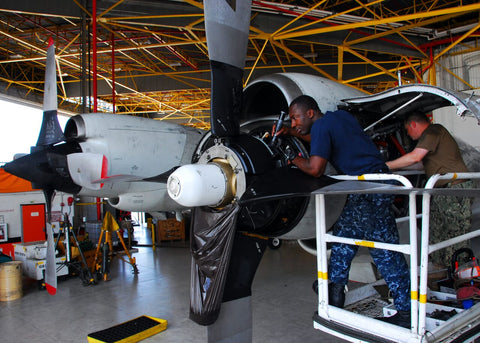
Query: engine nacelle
{"type": "Point", "coordinates": [132, 145]}
{"type": "Point", "coordinates": [134, 149]}
{"type": "Point", "coordinates": [270, 94]}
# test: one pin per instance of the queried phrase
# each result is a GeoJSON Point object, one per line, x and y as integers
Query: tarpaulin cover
{"type": "Point", "coordinates": [11, 184]}
{"type": "Point", "coordinates": [211, 245]}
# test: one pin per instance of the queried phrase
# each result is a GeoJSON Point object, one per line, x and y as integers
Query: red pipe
{"type": "Point", "coordinates": [94, 47]}
{"type": "Point", "coordinates": [94, 62]}
{"type": "Point", "coordinates": [448, 40]}
{"type": "Point", "coordinates": [430, 64]}
{"type": "Point", "coordinates": [113, 73]}
{"type": "Point", "coordinates": [398, 145]}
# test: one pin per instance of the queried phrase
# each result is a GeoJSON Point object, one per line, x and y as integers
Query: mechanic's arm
{"type": "Point", "coordinates": [415, 156]}
{"type": "Point", "coordinates": [315, 165]}
{"type": "Point", "coordinates": [288, 130]}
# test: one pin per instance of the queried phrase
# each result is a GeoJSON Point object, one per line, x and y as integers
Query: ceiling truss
{"type": "Point", "coordinates": [153, 61]}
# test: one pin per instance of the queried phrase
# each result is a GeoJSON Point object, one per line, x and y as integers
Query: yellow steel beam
{"type": "Point", "coordinates": [385, 71]}
{"type": "Point", "coordinates": [302, 59]}
{"type": "Point", "coordinates": [340, 63]}
{"type": "Point", "coordinates": [256, 61]}
{"type": "Point", "coordinates": [364, 77]}
{"type": "Point", "coordinates": [375, 22]}
{"type": "Point", "coordinates": [408, 62]}
{"type": "Point", "coordinates": [451, 46]}
{"type": "Point", "coordinates": [456, 76]}
{"type": "Point", "coordinates": [333, 16]}
{"type": "Point", "coordinates": [283, 28]}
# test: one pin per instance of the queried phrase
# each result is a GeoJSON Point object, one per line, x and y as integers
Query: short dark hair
{"type": "Point", "coordinates": [306, 102]}
{"type": "Point", "coordinates": [418, 117]}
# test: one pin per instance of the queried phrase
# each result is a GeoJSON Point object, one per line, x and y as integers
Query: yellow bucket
{"type": "Point", "coordinates": [10, 280]}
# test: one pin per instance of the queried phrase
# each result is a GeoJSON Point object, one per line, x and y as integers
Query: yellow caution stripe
{"type": "Point", "coordinates": [365, 244]}
{"type": "Point", "coordinates": [414, 295]}
{"type": "Point", "coordinates": [423, 298]}
{"type": "Point", "coordinates": [322, 275]}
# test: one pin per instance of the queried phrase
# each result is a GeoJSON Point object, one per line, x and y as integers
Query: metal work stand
{"type": "Point", "coordinates": [357, 327]}
{"type": "Point", "coordinates": [109, 226]}
{"type": "Point", "coordinates": [82, 271]}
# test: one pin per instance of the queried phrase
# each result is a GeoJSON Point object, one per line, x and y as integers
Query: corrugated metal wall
{"type": "Point", "coordinates": [466, 70]}
{"type": "Point", "coordinates": [466, 66]}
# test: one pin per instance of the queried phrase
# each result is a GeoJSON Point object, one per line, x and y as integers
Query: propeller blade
{"type": "Point", "coordinates": [50, 264]}
{"type": "Point", "coordinates": [283, 183]}
{"type": "Point", "coordinates": [45, 169]}
{"type": "Point", "coordinates": [46, 166]}
{"type": "Point", "coordinates": [50, 133]}
{"type": "Point", "coordinates": [160, 178]}
{"type": "Point", "coordinates": [223, 21]}
{"type": "Point", "coordinates": [163, 177]}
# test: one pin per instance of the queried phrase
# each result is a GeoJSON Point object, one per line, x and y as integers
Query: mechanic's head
{"type": "Point", "coordinates": [415, 124]}
{"type": "Point", "coordinates": [303, 112]}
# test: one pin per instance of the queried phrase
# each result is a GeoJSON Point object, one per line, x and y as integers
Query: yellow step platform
{"type": "Point", "coordinates": [129, 332]}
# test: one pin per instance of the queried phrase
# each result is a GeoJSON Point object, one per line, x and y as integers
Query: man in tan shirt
{"type": "Point", "coordinates": [438, 151]}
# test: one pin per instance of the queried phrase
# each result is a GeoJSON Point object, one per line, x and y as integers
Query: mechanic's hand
{"type": "Point", "coordinates": [284, 130]}
{"type": "Point", "coordinates": [288, 154]}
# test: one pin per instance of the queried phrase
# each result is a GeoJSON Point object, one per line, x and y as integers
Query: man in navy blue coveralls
{"type": "Point", "coordinates": [338, 138]}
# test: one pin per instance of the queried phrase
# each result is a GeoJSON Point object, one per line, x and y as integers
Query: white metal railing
{"type": "Point", "coordinates": [426, 248]}
{"type": "Point", "coordinates": [418, 298]}
{"type": "Point", "coordinates": [326, 311]}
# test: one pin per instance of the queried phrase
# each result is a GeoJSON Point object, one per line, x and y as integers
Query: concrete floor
{"type": "Point", "coordinates": [283, 301]}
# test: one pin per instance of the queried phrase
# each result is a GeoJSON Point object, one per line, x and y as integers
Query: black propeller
{"type": "Point", "coordinates": [45, 167]}
{"type": "Point", "coordinates": [225, 253]}
{"type": "Point", "coordinates": [50, 132]}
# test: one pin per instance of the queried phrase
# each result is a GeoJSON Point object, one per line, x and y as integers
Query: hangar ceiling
{"type": "Point", "coordinates": [151, 56]}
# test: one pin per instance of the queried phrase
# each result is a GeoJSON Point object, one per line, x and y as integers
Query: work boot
{"type": "Point", "coordinates": [401, 318]}
{"type": "Point", "coordinates": [336, 294]}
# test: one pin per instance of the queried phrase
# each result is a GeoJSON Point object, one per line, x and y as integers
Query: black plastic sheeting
{"type": "Point", "coordinates": [211, 241]}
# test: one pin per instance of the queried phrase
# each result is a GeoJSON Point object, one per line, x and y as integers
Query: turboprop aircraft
{"type": "Point", "coordinates": [239, 187]}
{"type": "Point", "coordinates": [243, 189]}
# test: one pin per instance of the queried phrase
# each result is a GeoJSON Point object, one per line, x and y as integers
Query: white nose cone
{"type": "Point", "coordinates": [197, 185]}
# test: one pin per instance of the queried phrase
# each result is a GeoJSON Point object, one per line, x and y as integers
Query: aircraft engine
{"type": "Point", "coordinates": [133, 150]}
{"type": "Point", "coordinates": [223, 169]}
{"type": "Point", "coordinates": [120, 157]}
{"type": "Point", "coordinates": [220, 177]}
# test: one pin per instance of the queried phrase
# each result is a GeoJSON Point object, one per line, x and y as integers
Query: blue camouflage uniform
{"type": "Point", "coordinates": [338, 137]}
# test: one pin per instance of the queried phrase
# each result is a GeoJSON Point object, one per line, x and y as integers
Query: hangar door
{"type": "Point", "coordinates": [33, 223]}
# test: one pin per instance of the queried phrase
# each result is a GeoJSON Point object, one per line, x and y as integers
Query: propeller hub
{"type": "Point", "coordinates": [217, 180]}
